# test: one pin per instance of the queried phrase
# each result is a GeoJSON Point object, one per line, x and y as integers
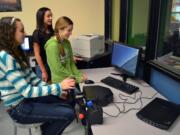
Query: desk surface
{"type": "Point", "coordinates": [128, 123]}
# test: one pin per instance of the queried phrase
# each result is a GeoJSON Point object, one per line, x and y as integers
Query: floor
{"type": "Point", "coordinates": [6, 127]}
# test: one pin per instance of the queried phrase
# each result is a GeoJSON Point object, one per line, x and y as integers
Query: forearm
{"type": "Point", "coordinates": [77, 73]}
{"type": "Point", "coordinates": [28, 90]}
{"type": "Point", "coordinates": [34, 79]}
{"type": "Point", "coordinates": [38, 57]}
{"type": "Point", "coordinates": [40, 62]}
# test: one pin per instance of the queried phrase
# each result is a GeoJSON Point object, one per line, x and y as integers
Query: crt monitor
{"type": "Point", "coordinates": [25, 46]}
{"type": "Point", "coordinates": [125, 58]}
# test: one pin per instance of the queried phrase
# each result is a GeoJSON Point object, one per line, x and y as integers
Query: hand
{"type": "Point", "coordinates": [64, 95]}
{"type": "Point", "coordinates": [67, 84]}
{"type": "Point", "coordinates": [44, 76]}
{"type": "Point", "coordinates": [76, 58]}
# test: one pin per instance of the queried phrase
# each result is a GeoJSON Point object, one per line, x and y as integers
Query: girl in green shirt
{"type": "Point", "coordinates": [59, 53]}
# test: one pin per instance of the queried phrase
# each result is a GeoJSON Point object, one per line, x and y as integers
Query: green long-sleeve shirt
{"type": "Point", "coordinates": [61, 67]}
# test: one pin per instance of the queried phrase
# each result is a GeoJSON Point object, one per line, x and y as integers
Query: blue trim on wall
{"type": "Point", "coordinates": [166, 86]}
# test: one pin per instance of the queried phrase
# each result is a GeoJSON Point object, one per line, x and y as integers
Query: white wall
{"type": "Point", "coordinates": [87, 15]}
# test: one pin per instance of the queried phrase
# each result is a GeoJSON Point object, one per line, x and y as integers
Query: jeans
{"type": "Point", "coordinates": [39, 73]}
{"type": "Point", "coordinates": [56, 114]}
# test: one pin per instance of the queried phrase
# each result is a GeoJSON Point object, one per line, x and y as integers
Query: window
{"type": "Point", "coordinates": [138, 22]}
{"type": "Point", "coordinates": [115, 19]}
{"type": "Point", "coordinates": [112, 20]}
{"type": "Point", "coordinates": [168, 45]}
{"type": "Point", "coordinates": [153, 25]}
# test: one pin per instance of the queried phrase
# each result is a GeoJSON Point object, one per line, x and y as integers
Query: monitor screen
{"type": "Point", "coordinates": [125, 58]}
{"type": "Point", "coordinates": [26, 45]}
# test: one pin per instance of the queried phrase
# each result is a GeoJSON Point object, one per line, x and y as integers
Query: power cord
{"type": "Point", "coordinates": [138, 99]}
{"type": "Point", "coordinates": [119, 112]}
{"type": "Point", "coordinates": [150, 97]}
{"type": "Point", "coordinates": [124, 102]}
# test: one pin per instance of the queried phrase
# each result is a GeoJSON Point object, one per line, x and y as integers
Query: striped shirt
{"type": "Point", "coordinates": [17, 84]}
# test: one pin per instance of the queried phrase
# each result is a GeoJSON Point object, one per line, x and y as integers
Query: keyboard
{"type": "Point", "coordinates": [120, 85]}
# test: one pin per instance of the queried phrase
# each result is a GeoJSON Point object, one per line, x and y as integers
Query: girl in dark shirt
{"type": "Point", "coordinates": [41, 34]}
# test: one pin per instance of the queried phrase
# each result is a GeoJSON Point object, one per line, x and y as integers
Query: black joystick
{"type": "Point", "coordinates": [71, 95]}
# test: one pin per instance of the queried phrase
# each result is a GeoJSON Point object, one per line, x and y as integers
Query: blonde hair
{"type": "Point", "coordinates": [62, 23]}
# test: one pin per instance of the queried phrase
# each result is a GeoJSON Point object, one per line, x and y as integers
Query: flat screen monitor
{"type": "Point", "coordinates": [125, 58]}
{"type": "Point", "coordinates": [26, 45]}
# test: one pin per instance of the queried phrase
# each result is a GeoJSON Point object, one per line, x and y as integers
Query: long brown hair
{"type": "Point", "coordinates": [40, 20]}
{"type": "Point", "coordinates": [8, 41]}
{"type": "Point", "coordinates": [62, 23]}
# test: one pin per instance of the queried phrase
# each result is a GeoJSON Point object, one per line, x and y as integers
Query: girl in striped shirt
{"type": "Point", "coordinates": [27, 98]}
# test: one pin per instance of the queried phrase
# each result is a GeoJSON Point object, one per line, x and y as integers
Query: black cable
{"type": "Point", "coordinates": [121, 95]}
{"type": "Point", "coordinates": [119, 112]}
{"type": "Point", "coordinates": [125, 102]}
{"type": "Point", "coordinates": [150, 97]}
{"type": "Point", "coordinates": [134, 97]}
{"type": "Point", "coordinates": [124, 106]}
{"type": "Point", "coordinates": [138, 99]}
{"type": "Point", "coordinates": [126, 96]}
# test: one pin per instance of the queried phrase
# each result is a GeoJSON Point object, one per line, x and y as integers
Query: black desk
{"type": "Point", "coordinates": [103, 60]}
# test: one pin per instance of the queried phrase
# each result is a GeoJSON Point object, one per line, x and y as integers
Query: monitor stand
{"type": "Point", "coordinates": [124, 76]}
